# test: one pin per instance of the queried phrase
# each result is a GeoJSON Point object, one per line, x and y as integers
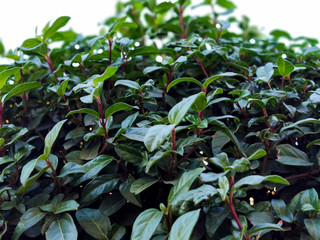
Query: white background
{"type": "Point", "coordinates": [19, 18]}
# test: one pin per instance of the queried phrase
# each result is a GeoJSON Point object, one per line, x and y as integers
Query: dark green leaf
{"type": "Point", "coordinates": [85, 110]}
{"type": "Point", "coordinates": [62, 228]}
{"type": "Point", "coordinates": [120, 106]}
{"type": "Point", "coordinates": [313, 227]}
{"type": "Point", "coordinates": [94, 222]}
{"type": "Point", "coordinates": [146, 224]}
{"type": "Point", "coordinates": [156, 135]}
{"type": "Point", "coordinates": [19, 89]}
{"type": "Point", "coordinates": [141, 184]}
{"type": "Point", "coordinates": [292, 156]}
{"type": "Point", "coordinates": [182, 228]}
{"type": "Point", "coordinates": [179, 80]}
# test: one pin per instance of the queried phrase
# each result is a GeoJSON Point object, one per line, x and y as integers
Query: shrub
{"type": "Point", "coordinates": [166, 126]}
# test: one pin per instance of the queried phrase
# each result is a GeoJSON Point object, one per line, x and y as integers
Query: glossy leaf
{"type": "Point", "coordinates": [285, 67]}
{"type": "Point", "coordinates": [62, 228]}
{"type": "Point", "coordinates": [19, 89]}
{"type": "Point", "coordinates": [257, 179]}
{"type": "Point", "coordinates": [51, 137]}
{"type": "Point", "coordinates": [177, 113]}
{"type": "Point", "coordinates": [4, 75]}
{"type": "Point", "coordinates": [94, 222]}
{"type": "Point", "coordinates": [180, 80]}
{"type": "Point", "coordinates": [156, 135]}
{"type": "Point", "coordinates": [146, 224]}
{"type": "Point", "coordinates": [128, 83]}
{"type": "Point", "coordinates": [184, 183]}
{"type": "Point", "coordinates": [109, 72]}
{"type": "Point", "coordinates": [141, 184]}
{"type": "Point", "coordinates": [182, 228]}
{"type": "Point", "coordinates": [222, 75]}
{"type": "Point", "coordinates": [117, 107]}
{"type": "Point", "coordinates": [292, 156]}
{"type": "Point", "coordinates": [58, 23]}
{"type": "Point", "coordinates": [313, 227]}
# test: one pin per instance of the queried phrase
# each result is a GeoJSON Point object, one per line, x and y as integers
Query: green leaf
{"type": "Point", "coordinates": [128, 83]}
{"type": "Point", "coordinates": [69, 205]}
{"type": "Point", "coordinates": [184, 183]}
{"type": "Point", "coordinates": [303, 121]}
{"type": "Point", "coordinates": [97, 187]}
{"type": "Point", "coordinates": [182, 228]}
{"type": "Point", "coordinates": [222, 75]}
{"type": "Point", "coordinates": [156, 135]}
{"type": "Point", "coordinates": [19, 89]}
{"type": "Point", "coordinates": [34, 46]}
{"type": "Point", "coordinates": [257, 179]}
{"type": "Point", "coordinates": [93, 167]}
{"type": "Point", "coordinates": [223, 187]}
{"type": "Point", "coordinates": [30, 218]}
{"type": "Point", "coordinates": [141, 184]}
{"type": "Point", "coordinates": [257, 154]}
{"type": "Point", "coordinates": [177, 113]}
{"type": "Point", "coordinates": [51, 137]}
{"type": "Point", "coordinates": [85, 110]}
{"type": "Point", "coordinates": [110, 71]}
{"type": "Point", "coordinates": [30, 182]}
{"type": "Point", "coordinates": [62, 228]}
{"type": "Point", "coordinates": [264, 73]}
{"type": "Point", "coordinates": [200, 103]}
{"type": "Point", "coordinates": [27, 170]}
{"type": "Point", "coordinates": [62, 87]}
{"type": "Point", "coordinates": [313, 227]}
{"type": "Point", "coordinates": [128, 153]}
{"type": "Point", "coordinates": [214, 218]}
{"type": "Point", "coordinates": [281, 210]}
{"type": "Point", "coordinates": [265, 226]}
{"type": "Point", "coordinates": [4, 75]}
{"type": "Point", "coordinates": [146, 224]}
{"type": "Point", "coordinates": [94, 222]}
{"type": "Point", "coordinates": [112, 204]}
{"type": "Point", "coordinates": [124, 188]}
{"type": "Point", "coordinates": [284, 67]}
{"type": "Point", "coordinates": [58, 23]}
{"type": "Point", "coordinates": [149, 50]}
{"type": "Point", "coordinates": [120, 106]}
{"type": "Point", "coordinates": [292, 156]}
{"type": "Point", "coordinates": [179, 80]}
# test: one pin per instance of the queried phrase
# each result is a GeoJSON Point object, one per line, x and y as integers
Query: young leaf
{"type": "Point", "coordinates": [156, 135]}
{"type": "Point", "coordinates": [128, 83]}
{"type": "Point", "coordinates": [62, 228]}
{"type": "Point", "coordinates": [58, 23]}
{"type": "Point", "coordinates": [4, 75]}
{"type": "Point", "coordinates": [177, 113]}
{"type": "Point", "coordinates": [257, 179]}
{"type": "Point", "coordinates": [222, 75]}
{"type": "Point", "coordinates": [264, 73]}
{"type": "Point", "coordinates": [94, 222]}
{"type": "Point", "coordinates": [62, 87]}
{"type": "Point", "coordinates": [284, 67]}
{"type": "Point", "coordinates": [146, 224]}
{"type": "Point", "coordinates": [85, 110]}
{"type": "Point", "coordinates": [141, 184]}
{"type": "Point", "coordinates": [21, 88]}
{"type": "Point", "coordinates": [51, 137]}
{"type": "Point", "coordinates": [182, 228]}
{"type": "Point", "coordinates": [184, 183]}
{"type": "Point", "coordinates": [179, 80]}
{"type": "Point", "coordinates": [110, 71]}
{"type": "Point", "coordinates": [69, 205]}
{"type": "Point", "coordinates": [120, 106]}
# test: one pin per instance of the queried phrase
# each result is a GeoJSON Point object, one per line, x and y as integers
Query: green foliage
{"type": "Point", "coordinates": [166, 126]}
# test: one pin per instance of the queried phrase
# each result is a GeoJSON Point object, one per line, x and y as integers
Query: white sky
{"type": "Point", "coordinates": [19, 18]}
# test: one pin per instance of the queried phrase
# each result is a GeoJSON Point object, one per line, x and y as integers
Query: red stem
{"type": "Point", "coordinates": [188, 154]}
{"type": "Point", "coordinates": [57, 180]}
{"type": "Point", "coordinates": [182, 25]}
{"type": "Point", "coordinates": [304, 175]}
{"type": "Point", "coordinates": [110, 50]}
{"type": "Point", "coordinates": [103, 121]}
{"type": "Point", "coordinates": [103, 149]}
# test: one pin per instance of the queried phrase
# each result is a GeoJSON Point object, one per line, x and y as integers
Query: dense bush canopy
{"type": "Point", "coordinates": [165, 126]}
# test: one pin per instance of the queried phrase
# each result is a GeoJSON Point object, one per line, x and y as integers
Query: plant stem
{"type": "Point", "coordinates": [304, 175]}
{"type": "Point", "coordinates": [103, 121]}
{"type": "Point", "coordinates": [182, 25]}
{"type": "Point", "coordinates": [173, 155]}
{"type": "Point", "coordinates": [57, 180]}
{"type": "Point", "coordinates": [282, 82]}
{"type": "Point", "coordinates": [170, 77]}
{"type": "Point", "coordinates": [229, 203]}
{"type": "Point", "coordinates": [265, 158]}
{"type": "Point", "coordinates": [103, 149]}
{"type": "Point", "coordinates": [188, 154]}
